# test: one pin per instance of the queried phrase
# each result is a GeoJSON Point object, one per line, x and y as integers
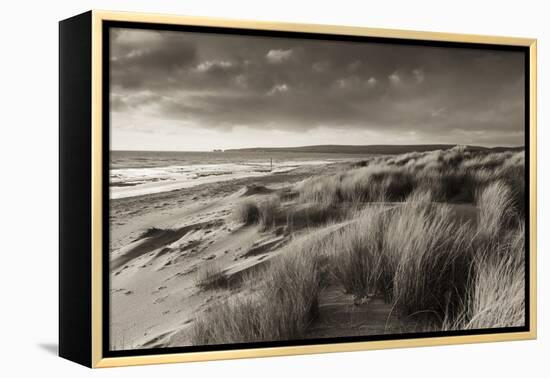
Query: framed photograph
{"type": "Point", "coordinates": [235, 189]}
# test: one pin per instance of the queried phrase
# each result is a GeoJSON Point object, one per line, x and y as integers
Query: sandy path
{"type": "Point", "coordinates": [340, 316]}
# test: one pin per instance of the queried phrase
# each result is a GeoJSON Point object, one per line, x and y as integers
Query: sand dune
{"type": "Point", "coordinates": [155, 279]}
{"type": "Point", "coordinates": [187, 251]}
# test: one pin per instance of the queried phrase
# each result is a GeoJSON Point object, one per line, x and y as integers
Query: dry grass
{"type": "Point", "coordinates": [452, 176]}
{"type": "Point", "coordinates": [399, 238]}
{"type": "Point", "coordinates": [211, 276]}
{"type": "Point", "coordinates": [357, 256]}
{"type": "Point", "coordinates": [496, 291]}
{"type": "Point", "coordinates": [247, 212]}
{"type": "Point", "coordinates": [269, 212]}
{"type": "Point", "coordinates": [372, 183]}
{"type": "Point", "coordinates": [496, 209]}
{"type": "Point", "coordinates": [414, 254]}
{"type": "Point", "coordinates": [313, 215]}
{"type": "Point", "coordinates": [434, 256]}
{"type": "Point", "coordinates": [282, 309]}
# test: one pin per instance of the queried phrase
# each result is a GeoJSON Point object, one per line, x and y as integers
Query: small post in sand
{"type": "Point", "coordinates": [271, 164]}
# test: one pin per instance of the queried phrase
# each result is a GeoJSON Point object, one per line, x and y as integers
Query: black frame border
{"type": "Point", "coordinates": [105, 119]}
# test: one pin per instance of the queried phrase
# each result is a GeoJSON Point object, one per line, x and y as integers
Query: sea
{"type": "Point", "coordinates": [135, 173]}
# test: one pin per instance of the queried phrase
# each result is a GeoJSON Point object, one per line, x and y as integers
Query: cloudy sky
{"type": "Point", "coordinates": [197, 91]}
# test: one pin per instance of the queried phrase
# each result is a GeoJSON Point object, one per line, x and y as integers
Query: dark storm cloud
{"type": "Point", "coordinates": [220, 81]}
{"type": "Point", "coordinates": [135, 64]}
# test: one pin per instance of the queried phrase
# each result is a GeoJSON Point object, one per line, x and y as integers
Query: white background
{"type": "Point", "coordinates": [28, 201]}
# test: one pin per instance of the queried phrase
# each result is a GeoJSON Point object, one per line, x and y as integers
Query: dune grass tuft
{"type": "Point", "coordinates": [433, 255]}
{"type": "Point", "coordinates": [211, 276]}
{"type": "Point", "coordinates": [247, 212]}
{"type": "Point", "coordinates": [496, 209]}
{"type": "Point", "coordinates": [496, 291]}
{"type": "Point", "coordinates": [357, 256]}
{"type": "Point", "coordinates": [269, 212]}
{"type": "Point", "coordinates": [282, 309]}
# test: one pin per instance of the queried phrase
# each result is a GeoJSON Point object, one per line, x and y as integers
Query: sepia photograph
{"type": "Point", "coordinates": [285, 188]}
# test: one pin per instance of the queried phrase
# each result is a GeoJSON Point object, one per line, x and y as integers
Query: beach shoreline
{"type": "Point", "coordinates": [202, 214]}
{"type": "Point", "coordinates": [159, 207]}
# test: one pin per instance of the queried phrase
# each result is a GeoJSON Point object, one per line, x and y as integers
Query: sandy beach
{"type": "Point", "coordinates": [160, 241]}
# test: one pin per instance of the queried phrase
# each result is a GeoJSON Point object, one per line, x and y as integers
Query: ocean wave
{"type": "Point", "coordinates": [131, 182]}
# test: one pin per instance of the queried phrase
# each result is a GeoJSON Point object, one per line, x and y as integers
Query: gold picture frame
{"type": "Point", "coordinates": [94, 260]}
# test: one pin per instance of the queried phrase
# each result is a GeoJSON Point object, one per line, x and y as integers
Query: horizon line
{"type": "Point", "coordinates": [317, 145]}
